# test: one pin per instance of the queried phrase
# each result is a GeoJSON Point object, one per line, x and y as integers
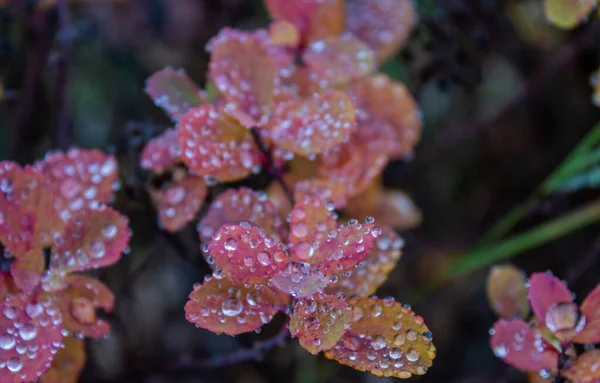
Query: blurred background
{"type": "Point", "coordinates": [505, 97]}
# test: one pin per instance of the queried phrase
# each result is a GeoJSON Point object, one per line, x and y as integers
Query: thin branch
{"type": "Point", "coordinates": [62, 79]}
{"type": "Point", "coordinates": [273, 169]}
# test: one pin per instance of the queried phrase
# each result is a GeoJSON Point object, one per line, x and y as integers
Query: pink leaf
{"type": "Point", "coordinates": [180, 201]}
{"type": "Point", "coordinates": [545, 291]}
{"type": "Point", "coordinates": [314, 125]}
{"type": "Point", "coordinates": [246, 254]}
{"type": "Point", "coordinates": [216, 145]}
{"type": "Point", "coordinates": [162, 152]}
{"type": "Point", "coordinates": [28, 218]}
{"type": "Point", "coordinates": [346, 248]}
{"type": "Point", "coordinates": [320, 321]}
{"type": "Point", "coordinates": [173, 91]}
{"type": "Point", "coordinates": [79, 179]}
{"type": "Point", "coordinates": [522, 346]}
{"type": "Point", "coordinates": [242, 205]}
{"type": "Point", "coordinates": [310, 221]}
{"type": "Point", "coordinates": [31, 326]}
{"type": "Point", "coordinates": [222, 306]}
{"type": "Point", "coordinates": [27, 270]}
{"type": "Point", "coordinates": [91, 239]}
{"type": "Point", "coordinates": [326, 189]}
{"type": "Point", "coordinates": [300, 280]}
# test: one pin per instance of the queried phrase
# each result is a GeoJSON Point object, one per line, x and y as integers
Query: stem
{"type": "Point", "coordinates": [273, 170]}
{"type": "Point", "coordinates": [62, 79]}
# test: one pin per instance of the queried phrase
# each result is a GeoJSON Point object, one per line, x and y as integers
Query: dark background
{"type": "Point", "coordinates": [505, 96]}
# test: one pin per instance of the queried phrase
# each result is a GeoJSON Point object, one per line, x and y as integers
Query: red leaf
{"type": "Point", "coordinates": [310, 222]}
{"type": "Point", "coordinates": [78, 303]}
{"type": "Point", "coordinates": [340, 59]}
{"type": "Point", "coordinates": [545, 291]}
{"type": "Point", "coordinates": [162, 152]}
{"type": "Point", "coordinates": [246, 254]}
{"type": "Point", "coordinates": [180, 201]}
{"type": "Point", "coordinates": [67, 364]}
{"type": "Point", "coordinates": [590, 310]}
{"type": "Point", "coordinates": [384, 25]}
{"type": "Point", "coordinates": [325, 189]}
{"type": "Point", "coordinates": [365, 280]}
{"type": "Point", "coordinates": [522, 346]}
{"type": "Point", "coordinates": [173, 91]}
{"type": "Point", "coordinates": [28, 218]}
{"type": "Point", "coordinates": [31, 326]}
{"type": "Point", "coordinates": [216, 145]}
{"type": "Point", "coordinates": [585, 369]}
{"type": "Point", "coordinates": [242, 205]}
{"type": "Point", "coordinates": [91, 239]}
{"type": "Point", "coordinates": [320, 321]}
{"type": "Point", "coordinates": [385, 339]}
{"type": "Point", "coordinates": [313, 125]}
{"type": "Point", "coordinates": [79, 179]}
{"type": "Point", "coordinates": [27, 270]}
{"type": "Point", "coordinates": [222, 306]}
{"type": "Point", "coordinates": [244, 72]}
{"type": "Point", "coordinates": [300, 280]}
{"type": "Point", "coordinates": [346, 247]}
{"type": "Point", "coordinates": [507, 293]}
{"type": "Point", "coordinates": [7, 286]}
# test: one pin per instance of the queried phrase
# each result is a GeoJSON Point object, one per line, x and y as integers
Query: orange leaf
{"type": "Point", "coordinates": [245, 254]}
{"type": "Point", "coordinates": [585, 369]}
{"type": "Point", "coordinates": [216, 145]}
{"type": "Point", "coordinates": [242, 205]}
{"type": "Point", "coordinates": [222, 306]}
{"type": "Point", "coordinates": [180, 201]}
{"type": "Point", "coordinates": [28, 218]}
{"type": "Point", "coordinates": [384, 25]}
{"type": "Point", "coordinates": [173, 91]}
{"type": "Point", "coordinates": [319, 321]}
{"type": "Point", "coordinates": [374, 270]}
{"type": "Point", "coordinates": [385, 339]}
{"type": "Point", "coordinates": [284, 33]}
{"type": "Point", "coordinates": [590, 310]}
{"type": "Point", "coordinates": [313, 125]}
{"type": "Point", "coordinates": [67, 363]}
{"type": "Point", "coordinates": [161, 153]}
{"type": "Point", "coordinates": [27, 270]}
{"type": "Point", "coordinates": [507, 293]}
{"type": "Point", "coordinates": [91, 239]}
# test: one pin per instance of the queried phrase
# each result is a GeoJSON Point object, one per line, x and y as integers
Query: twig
{"type": "Point", "coordinates": [273, 170]}
{"type": "Point", "coordinates": [62, 79]}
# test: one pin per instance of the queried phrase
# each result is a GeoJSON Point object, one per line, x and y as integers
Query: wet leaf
{"type": "Point", "coordinates": [385, 339]}
{"type": "Point", "coordinates": [346, 247]}
{"type": "Point", "coordinates": [324, 189]}
{"type": "Point", "coordinates": [313, 125]}
{"type": "Point", "coordinates": [67, 363]}
{"type": "Point", "coordinates": [91, 239]}
{"type": "Point", "coordinates": [28, 218]}
{"type": "Point", "coordinates": [568, 14]}
{"type": "Point", "coordinates": [328, 20]}
{"type": "Point", "coordinates": [585, 369]}
{"type": "Point", "coordinates": [310, 222]}
{"type": "Point", "coordinates": [173, 91]}
{"type": "Point", "coordinates": [244, 72]}
{"type": "Point", "coordinates": [319, 321]}
{"type": "Point", "coordinates": [27, 325]}
{"type": "Point", "coordinates": [383, 101]}
{"type": "Point", "coordinates": [545, 291]}
{"type": "Point", "coordinates": [246, 254]}
{"type": "Point", "coordinates": [180, 201]}
{"type": "Point", "coordinates": [7, 285]}
{"type": "Point", "coordinates": [242, 205]}
{"type": "Point", "coordinates": [384, 25]}
{"type": "Point", "coordinates": [161, 153]}
{"type": "Point", "coordinates": [340, 59]}
{"type": "Point", "coordinates": [506, 291]}
{"type": "Point", "coordinates": [300, 280]}
{"type": "Point", "coordinates": [27, 270]}
{"type": "Point", "coordinates": [222, 306]}
{"type": "Point", "coordinates": [78, 302]}
{"type": "Point", "coordinates": [522, 347]}
{"type": "Point", "coordinates": [284, 33]}
{"type": "Point", "coordinates": [216, 145]}
{"type": "Point", "coordinates": [590, 309]}
{"type": "Point", "coordinates": [365, 280]}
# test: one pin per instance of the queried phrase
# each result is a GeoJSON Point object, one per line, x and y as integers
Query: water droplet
{"type": "Point", "coordinates": [378, 343]}
{"type": "Point", "coordinates": [109, 230]}
{"type": "Point", "coordinates": [395, 353]}
{"type": "Point", "coordinates": [231, 307]}
{"type": "Point", "coordinates": [300, 230]}
{"type": "Point", "coordinates": [14, 364]}
{"type": "Point", "coordinates": [7, 342]}
{"type": "Point", "coordinates": [500, 351]}
{"type": "Point", "coordinates": [97, 250]}
{"type": "Point", "coordinates": [27, 332]}
{"type": "Point", "coordinates": [412, 355]}
{"type": "Point", "coordinates": [230, 244]}
{"type": "Point", "coordinates": [264, 258]}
